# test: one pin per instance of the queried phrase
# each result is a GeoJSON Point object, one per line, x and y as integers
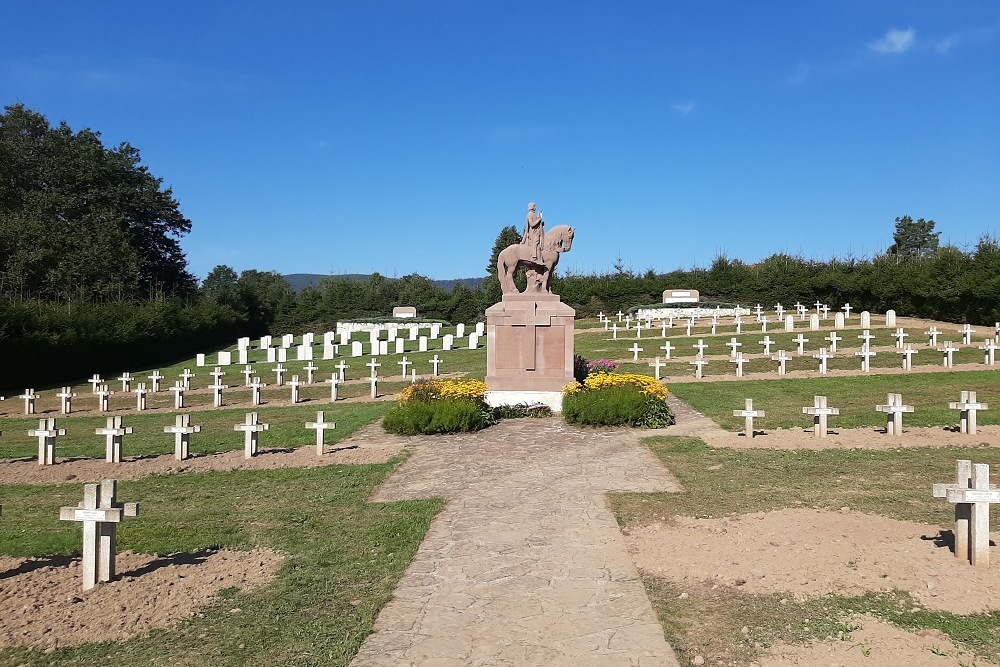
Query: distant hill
{"type": "Point", "coordinates": [300, 280]}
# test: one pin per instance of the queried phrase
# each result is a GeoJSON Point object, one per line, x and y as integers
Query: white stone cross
{"type": "Point", "coordinates": [140, 396]}
{"type": "Point", "coordinates": [701, 347]}
{"type": "Point", "coordinates": [967, 332]}
{"type": "Point", "coordinates": [614, 332]}
{"type": "Point", "coordinates": [688, 327]}
{"type": "Point", "coordinates": [334, 383]}
{"type": "Point", "coordinates": [279, 374]}
{"type": "Point", "coordinates": [763, 324]}
{"type": "Point", "coordinates": [739, 327]}
{"type": "Point", "coordinates": [667, 348]}
{"type": "Point", "coordinates": [968, 407]}
{"type": "Point", "coordinates": [977, 498]}
{"type": "Point", "coordinates": [899, 336]}
{"type": "Point", "coordinates": [126, 380]}
{"type": "Point", "coordinates": [186, 378]}
{"type": "Point", "coordinates": [963, 480]}
{"type": "Point", "coordinates": [866, 338]}
{"type": "Point", "coordinates": [100, 513]}
{"type": "Point", "coordinates": [932, 336]}
{"type": "Point", "coordinates": [819, 307]}
{"type": "Point", "coordinates": [638, 329]}
{"type": "Point", "coordinates": [801, 341]}
{"type": "Point", "coordinates": [782, 359]}
{"type": "Point", "coordinates": [620, 315]}
{"type": "Point", "coordinates": [373, 380]}
{"type": "Point", "coordinates": [826, 311]}
{"type": "Point", "coordinates": [341, 367]}
{"type": "Point", "coordinates": [155, 381]}
{"type": "Point", "coordinates": [320, 426]}
{"type": "Point", "coordinates": [436, 362]}
{"type": "Point", "coordinates": [698, 363]}
{"type": "Point", "coordinates": [182, 430]}
{"type": "Point", "coordinates": [251, 433]}
{"type": "Point", "coordinates": [247, 375]}
{"type": "Point", "coordinates": [820, 412]}
{"type": "Point", "coordinates": [949, 351]}
{"type": "Point", "coordinates": [404, 363]}
{"type": "Point", "coordinates": [823, 355]}
{"type": "Point", "coordinates": [66, 397]}
{"type": "Point", "coordinates": [178, 390]}
{"type": "Point", "coordinates": [758, 311]}
{"type": "Point", "coordinates": [295, 383]}
{"type": "Point", "coordinates": [102, 394]}
{"type": "Point", "coordinates": [866, 354]}
{"type": "Point", "coordinates": [740, 360]}
{"type": "Point", "coordinates": [114, 434]}
{"type": "Point", "coordinates": [847, 310]}
{"type": "Point", "coordinates": [94, 381]}
{"type": "Point", "coordinates": [217, 374]}
{"type": "Point", "coordinates": [767, 343]}
{"type": "Point", "coordinates": [47, 432]}
{"type": "Point", "coordinates": [310, 370]}
{"type": "Point", "coordinates": [989, 347]}
{"type": "Point", "coordinates": [29, 397]}
{"type": "Point", "coordinates": [908, 353]}
{"type": "Point", "coordinates": [217, 393]}
{"type": "Point", "coordinates": [834, 339]}
{"type": "Point", "coordinates": [779, 310]}
{"type": "Point", "coordinates": [715, 325]}
{"type": "Point", "coordinates": [894, 410]}
{"type": "Point", "coordinates": [657, 365]}
{"type": "Point", "coordinates": [635, 350]}
{"type": "Point", "coordinates": [733, 346]}
{"type": "Point", "coordinates": [373, 364]}
{"type": "Point", "coordinates": [255, 391]}
{"type": "Point", "coordinates": [748, 415]}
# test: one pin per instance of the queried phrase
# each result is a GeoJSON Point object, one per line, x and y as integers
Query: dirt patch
{"type": "Point", "coordinates": [875, 643]}
{"type": "Point", "coordinates": [809, 553]}
{"type": "Point", "coordinates": [45, 606]}
{"type": "Point", "coordinates": [368, 445]}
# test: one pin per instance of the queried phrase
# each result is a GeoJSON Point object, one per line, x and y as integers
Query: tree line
{"type": "Point", "coordinates": [93, 278]}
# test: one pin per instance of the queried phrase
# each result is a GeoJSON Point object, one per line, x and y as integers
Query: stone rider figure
{"type": "Point", "coordinates": [534, 232]}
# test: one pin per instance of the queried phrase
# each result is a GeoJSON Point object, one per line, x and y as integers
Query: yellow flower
{"type": "Point", "coordinates": [572, 388]}
{"type": "Point", "coordinates": [648, 385]}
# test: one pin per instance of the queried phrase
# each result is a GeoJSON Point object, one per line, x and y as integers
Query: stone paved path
{"type": "Point", "coordinates": [525, 565]}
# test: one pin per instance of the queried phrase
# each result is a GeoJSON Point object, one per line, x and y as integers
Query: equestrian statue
{"type": "Point", "coordinates": [537, 253]}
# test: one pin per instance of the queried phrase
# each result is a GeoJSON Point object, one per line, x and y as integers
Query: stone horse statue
{"type": "Point", "coordinates": [557, 240]}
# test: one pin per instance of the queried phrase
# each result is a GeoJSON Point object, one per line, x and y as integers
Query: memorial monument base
{"type": "Point", "coordinates": [529, 348]}
{"type": "Point", "coordinates": [553, 399]}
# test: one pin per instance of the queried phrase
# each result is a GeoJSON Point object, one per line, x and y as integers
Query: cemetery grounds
{"type": "Point", "coordinates": [780, 549]}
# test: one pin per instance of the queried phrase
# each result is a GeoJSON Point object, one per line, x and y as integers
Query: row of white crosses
{"type": "Point", "coordinates": [114, 433]}
{"type": "Point", "coordinates": [180, 387]}
{"type": "Point", "coordinates": [893, 407]}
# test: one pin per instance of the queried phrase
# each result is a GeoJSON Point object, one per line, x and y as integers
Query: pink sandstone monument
{"type": "Point", "coordinates": [529, 335]}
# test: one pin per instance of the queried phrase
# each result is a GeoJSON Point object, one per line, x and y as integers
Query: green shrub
{"type": "Point", "coordinates": [443, 415]}
{"type": "Point", "coordinates": [521, 410]}
{"type": "Point", "coordinates": [616, 406]}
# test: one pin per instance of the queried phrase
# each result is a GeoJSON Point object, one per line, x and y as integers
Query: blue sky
{"type": "Point", "coordinates": [400, 137]}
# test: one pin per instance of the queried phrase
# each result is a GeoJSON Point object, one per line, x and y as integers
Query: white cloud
{"type": "Point", "coordinates": [895, 41]}
{"type": "Point", "coordinates": [683, 108]}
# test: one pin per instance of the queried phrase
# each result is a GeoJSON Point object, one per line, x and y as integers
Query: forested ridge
{"type": "Point", "coordinates": [93, 278]}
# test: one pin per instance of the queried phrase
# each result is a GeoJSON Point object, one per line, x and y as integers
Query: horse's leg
{"type": "Point", "coordinates": [505, 273]}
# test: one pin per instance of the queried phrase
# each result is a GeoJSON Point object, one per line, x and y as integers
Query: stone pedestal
{"type": "Point", "coordinates": [529, 349]}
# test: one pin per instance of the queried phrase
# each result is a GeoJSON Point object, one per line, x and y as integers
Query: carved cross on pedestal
{"type": "Point", "coordinates": [530, 320]}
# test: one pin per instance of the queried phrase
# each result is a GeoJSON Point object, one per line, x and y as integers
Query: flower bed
{"type": "Point", "coordinates": [607, 398]}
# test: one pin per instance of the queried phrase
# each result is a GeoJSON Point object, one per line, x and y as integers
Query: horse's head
{"type": "Point", "coordinates": [562, 237]}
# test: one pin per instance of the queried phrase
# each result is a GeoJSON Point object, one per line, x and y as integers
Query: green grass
{"type": "Point", "coordinates": [856, 397]}
{"type": "Point", "coordinates": [287, 429]}
{"type": "Point", "coordinates": [722, 482]}
{"type": "Point", "coordinates": [344, 559]}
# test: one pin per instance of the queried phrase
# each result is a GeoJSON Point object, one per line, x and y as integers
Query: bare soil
{"type": "Point", "coordinates": [45, 606]}
{"type": "Point", "coordinates": [811, 552]}
{"type": "Point", "coordinates": [876, 643]}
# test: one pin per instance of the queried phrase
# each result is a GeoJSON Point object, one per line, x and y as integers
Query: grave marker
{"type": "Point", "coordinates": [247, 375]}
{"type": "Point", "coordinates": [255, 391]}
{"type": "Point", "coordinates": [932, 336]}
{"type": "Point", "coordinates": [894, 410]}
{"type": "Point", "coordinates": [155, 381]}
{"type": "Point", "coordinates": [698, 364]}
{"type": "Point", "coordinates": [140, 396]}
{"type": "Point", "coordinates": [667, 348]}
{"type": "Point", "coordinates": [100, 513]}
{"type": "Point", "coordinates": [295, 384]}
{"type": "Point", "coordinates": [866, 354]}
{"type": "Point", "coordinates": [748, 414]}
{"type": "Point", "coordinates": [635, 350]}
{"type": "Point", "coordinates": [251, 434]}
{"type": "Point", "coordinates": [814, 322]}
{"type": "Point", "coordinates": [320, 426]}
{"type": "Point", "coordinates": [114, 434]}
{"type": "Point", "coordinates": [29, 397]}
{"type": "Point", "coordinates": [341, 367]}
{"type": "Point", "coordinates": [95, 382]}
{"type": "Point", "coordinates": [178, 390]}
{"type": "Point", "coordinates": [834, 339]}
{"type": "Point", "coordinates": [657, 365]}
{"type": "Point", "coordinates": [422, 343]}
{"type": "Point", "coordinates": [279, 375]}
{"type": "Point", "coordinates": [968, 407]}
{"type": "Point", "coordinates": [838, 321]}
{"type": "Point", "coordinates": [436, 362]}
{"type": "Point", "coordinates": [823, 355]}
{"type": "Point", "coordinates": [310, 370]}
{"type": "Point", "coordinates": [890, 318]}
{"type": "Point", "coordinates": [801, 341]}
{"type": "Point", "coordinates": [182, 430]}
{"type": "Point", "coordinates": [126, 380]}
{"type": "Point", "coordinates": [977, 499]}
{"type": "Point", "coordinates": [782, 359]}
{"type": "Point", "coordinates": [102, 394]}
{"type": "Point", "coordinates": [374, 383]}
{"type": "Point", "coordinates": [740, 361]}
{"type": "Point", "coordinates": [866, 338]}
{"type": "Point", "coordinates": [908, 353]}
{"type": "Point", "coordinates": [820, 411]}
{"type": "Point", "coordinates": [186, 378]}
{"type": "Point", "coordinates": [989, 347]}
{"type": "Point", "coordinates": [733, 346]}
{"type": "Point", "coordinates": [949, 350]}
{"type": "Point", "coordinates": [766, 343]}
{"type": "Point", "coordinates": [866, 319]}
{"type": "Point", "coordinates": [701, 347]}
{"type": "Point", "coordinates": [967, 332]}
{"type": "Point", "coordinates": [404, 363]}
{"type": "Point", "coordinates": [66, 397]}
{"type": "Point", "coordinates": [899, 336]}
{"type": "Point", "coordinates": [789, 323]}
{"type": "Point", "coordinates": [47, 432]}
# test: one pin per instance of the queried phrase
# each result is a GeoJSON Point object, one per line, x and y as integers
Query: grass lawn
{"type": "Point", "coordinates": [344, 559]}
{"type": "Point", "coordinates": [720, 482]}
{"type": "Point", "coordinates": [856, 397]}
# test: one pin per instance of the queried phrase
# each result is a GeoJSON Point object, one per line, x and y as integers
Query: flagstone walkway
{"type": "Point", "coordinates": [525, 565]}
